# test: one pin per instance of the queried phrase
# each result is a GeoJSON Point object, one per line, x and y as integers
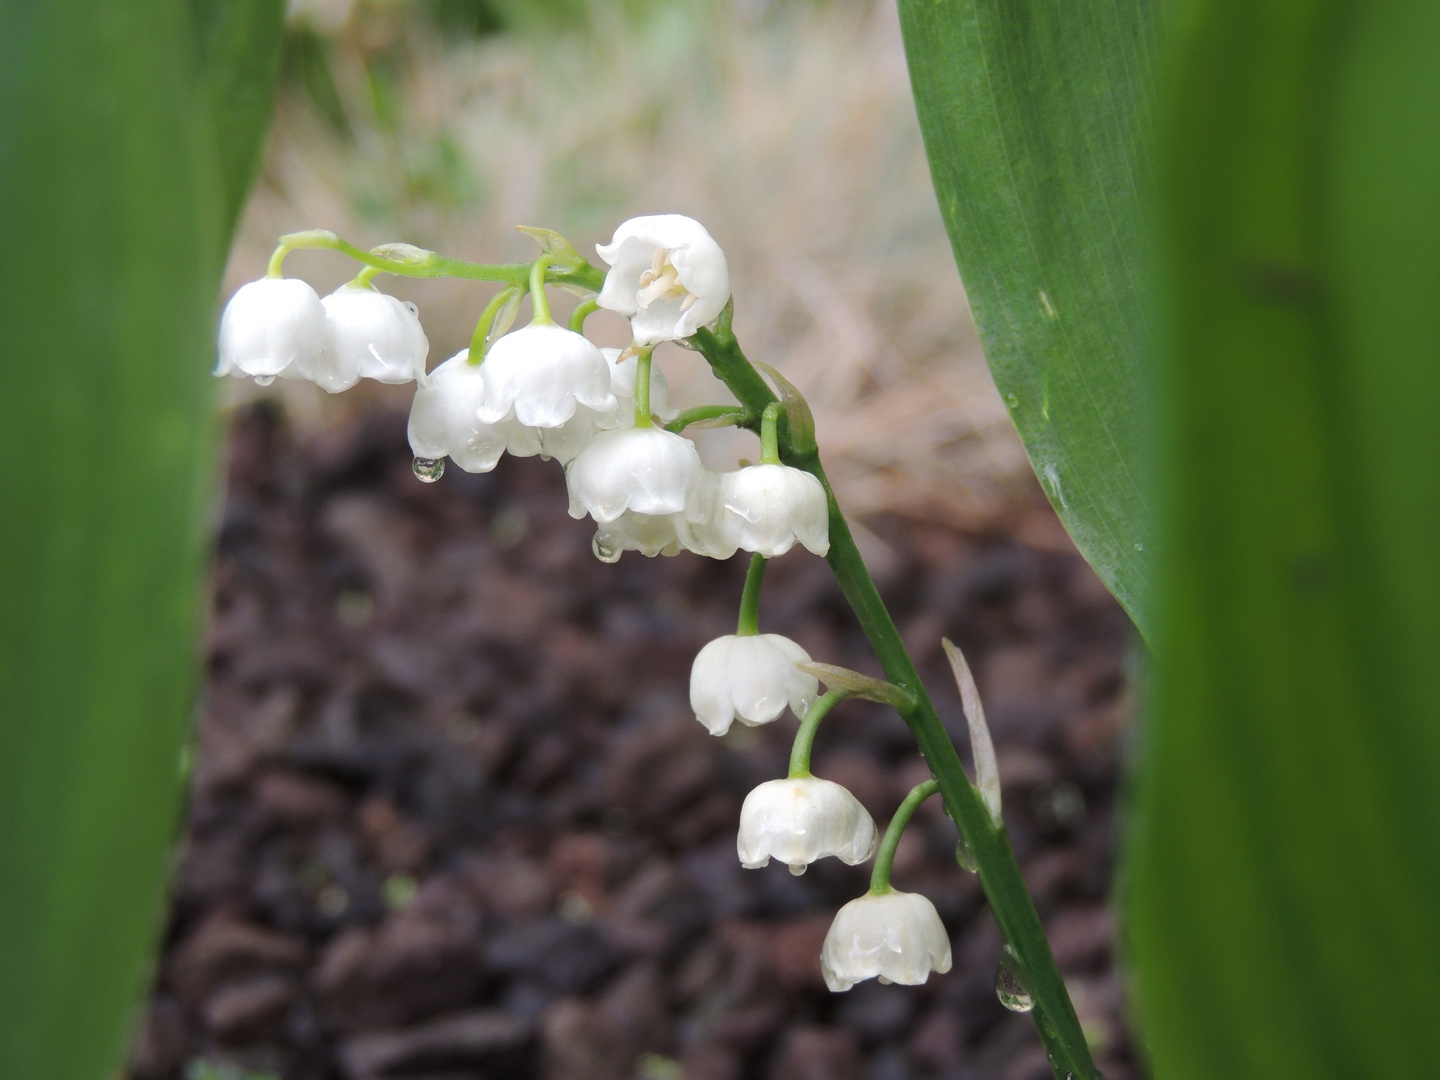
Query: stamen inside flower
{"type": "Point", "coordinates": [662, 282]}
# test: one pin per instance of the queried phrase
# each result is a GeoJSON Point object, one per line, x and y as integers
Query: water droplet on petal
{"type": "Point", "coordinates": [428, 470]}
{"type": "Point", "coordinates": [799, 868]}
{"type": "Point", "coordinates": [603, 551]}
{"type": "Point", "coordinates": [965, 856]}
{"type": "Point", "coordinates": [264, 380]}
{"type": "Point", "coordinates": [1010, 990]}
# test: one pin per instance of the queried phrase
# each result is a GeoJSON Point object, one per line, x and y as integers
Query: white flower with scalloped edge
{"type": "Point", "coordinates": [766, 509]}
{"type": "Point", "coordinates": [667, 276]}
{"type": "Point", "coordinates": [750, 678]}
{"type": "Point", "coordinates": [896, 936]}
{"type": "Point", "coordinates": [801, 819]}
{"type": "Point", "coordinates": [269, 326]}
{"type": "Point", "coordinates": [445, 420]}
{"type": "Point", "coordinates": [542, 376]}
{"type": "Point", "coordinates": [647, 471]}
{"type": "Point", "coordinates": [373, 336]}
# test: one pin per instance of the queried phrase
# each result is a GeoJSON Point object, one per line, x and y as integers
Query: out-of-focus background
{"type": "Point", "coordinates": [451, 815]}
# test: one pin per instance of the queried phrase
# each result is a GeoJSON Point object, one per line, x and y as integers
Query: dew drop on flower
{"type": "Point", "coordinates": [798, 868]}
{"type": "Point", "coordinates": [264, 380]}
{"type": "Point", "coordinates": [428, 470]}
{"type": "Point", "coordinates": [1010, 990]}
{"type": "Point", "coordinates": [603, 551]}
{"type": "Point", "coordinates": [965, 856]}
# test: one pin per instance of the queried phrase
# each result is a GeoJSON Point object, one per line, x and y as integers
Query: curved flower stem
{"type": "Point", "coordinates": [583, 311]}
{"type": "Point", "coordinates": [885, 855]}
{"type": "Point", "coordinates": [540, 303]}
{"type": "Point", "coordinates": [750, 598]}
{"type": "Point", "coordinates": [642, 386]}
{"type": "Point", "coordinates": [999, 872]}
{"type": "Point", "coordinates": [805, 736]}
{"type": "Point", "coordinates": [769, 441]}
{"type": "Point", "coordinates": [701, 413]}
{"type": "Point", "coordinates": [406, 261]}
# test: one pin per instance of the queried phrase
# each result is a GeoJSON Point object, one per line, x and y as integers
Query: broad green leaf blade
{"type": "Point", "coordinates": [1034, 117]}
{"type": "Point", "coordinates": [239, 58]}
{"type": "Point", "coordinates": [1285, 872]}
{"type": "Point", "coordinates": [112, 213]}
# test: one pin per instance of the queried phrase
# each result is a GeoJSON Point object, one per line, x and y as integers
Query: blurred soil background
{"type": "Point", "coordinates": [451, 816]}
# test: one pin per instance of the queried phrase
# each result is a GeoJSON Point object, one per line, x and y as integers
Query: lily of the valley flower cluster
{"type": "Point", "coordinates": [547, 390]}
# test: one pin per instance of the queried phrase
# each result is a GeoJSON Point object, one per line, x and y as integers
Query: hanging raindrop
{"type": "Point", "coordinates": [603, 551]}
{"type": "Point", "coordinates": [965, 856]}
{"type": "Point", "coordinates": [428, 470]}
{"type": "Point", "coordinates": [798, 868]}
{"type": "Point", "coordinates": [1010, 990]}
{"type": "Point", "coordinates": [264, 380]}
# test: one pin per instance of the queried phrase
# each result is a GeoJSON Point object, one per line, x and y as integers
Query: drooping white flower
{"type": "Point", "coordinates": [767, 508]}
{"type": "Point", "coordinates": [445, 420]}
{"type": "Point", "coordinates": [270, 325]}
{"type": "Point", "coordinates": [373, 336]}
{"type": "Point", "coordinates": [704, 515]}
{"type": "Point", "coordinates": [897, 936]}
{"type": "Point", "coordinates": [667, 275]}
{"type": "Point", "coordinates": [647, 471]}
{"type": "Point", "coordinates": [750, 679]}
{"type": "Point", "coordinates": [541, 375]}
{"type": "Point", "coordinates": [801, 819]}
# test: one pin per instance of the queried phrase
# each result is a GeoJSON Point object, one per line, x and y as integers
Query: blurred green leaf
{"type": "Point", "coordinates": [1285, 869]}
{"type": "Point", "coordinates": [113, 211]}
{"type": "Point", "coordinates": [1034, 120]}
{"type": "Point", "coordinates": [238, 42]}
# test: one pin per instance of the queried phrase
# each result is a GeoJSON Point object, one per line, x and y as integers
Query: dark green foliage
{"type": "Point", "coordinates": [1034, 118]}
{"type": "Point", "coordinates": [118, 189]}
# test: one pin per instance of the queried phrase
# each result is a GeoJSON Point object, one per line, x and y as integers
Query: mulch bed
{"type": "Point", "coordinates": [453, 818]}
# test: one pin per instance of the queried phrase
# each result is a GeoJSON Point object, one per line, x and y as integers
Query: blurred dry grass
{"type": "Point", "coordinates": [786, 128]}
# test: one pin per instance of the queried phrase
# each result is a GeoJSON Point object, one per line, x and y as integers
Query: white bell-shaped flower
{"type": "Point", "coordinates": [801, 819]}
{"type": "Point", "coordinates": [897, 936]}
{"type": "Point", "coordinates": [647, 471]}
{"type": "Point", "coordinates": [541, 375]}
{"type": "Point", "coordinates": [767, 508]}
{"type": "Point", "coordinates": [270, 325]}
{"type": "Point", "coordinates": [750, 679]}
{"type": "Point", "coordinates": [373, 336]}
{"type": "Point", "coordinates": [667, 275]}
{"type": "Point", "coordinates": [445, 420]}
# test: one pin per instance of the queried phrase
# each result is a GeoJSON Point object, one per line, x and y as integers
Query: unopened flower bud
{"type": "Point", "coordinates": [802, 819]}
{"type": "Point", "coordinates": [667, 275]}
{"type": "Point", "coordinates": [897, 936]}
{"type": "Point", "coordinates": [373, 336]}
{"type": "Point", "coordinates": [750, 679]}
{"type": "Point", "coordinates": [269, 327]}
{"type": "Point", "coordinates": [541, 375]}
